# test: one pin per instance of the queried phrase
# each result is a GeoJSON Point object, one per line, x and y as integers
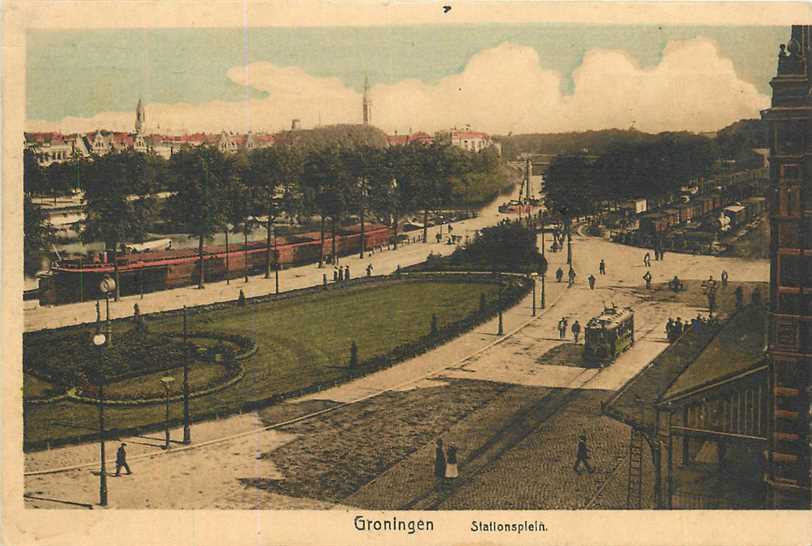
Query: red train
{"type": "Point", "coordinates": [77, 279]}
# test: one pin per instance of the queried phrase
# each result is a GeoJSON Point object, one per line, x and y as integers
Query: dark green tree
{"type": "Point", "coordinates": [199, 177]}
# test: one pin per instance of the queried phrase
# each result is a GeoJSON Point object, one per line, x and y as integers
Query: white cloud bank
{"type": "Point", "coordinates": [501, 89]}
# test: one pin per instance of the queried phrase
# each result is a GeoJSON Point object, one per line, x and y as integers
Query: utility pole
{"type": "Point", "coordinates": [187, 433]}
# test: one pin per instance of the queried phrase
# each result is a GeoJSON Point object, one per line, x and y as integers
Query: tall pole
{"type": "Point", "coordinates": [108, 325]}
{"type": "Point", "coordinates": [501, 330]}
{"type": "Point", "coordinates": [542, 291]}
{"type": "Point", "coordinates": [569, 241]}
{"type": "Point", "coordinates": [187, 433]}
{"type": "Point", "coordinates": [534, 294]}
{"type": "Point", "coordinates": [102, 468]}
{"type": "Point", "coordinates": [245, 251]}
{"type": "Point", "coordinates": [276, 260]}
{"type": "Point", "coordinates": [166, 418]}
{"type": "Point", "coordinates": [228, 269]}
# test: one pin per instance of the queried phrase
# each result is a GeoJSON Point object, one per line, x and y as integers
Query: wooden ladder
{"type": "Point", "coordinates": [634, 493]}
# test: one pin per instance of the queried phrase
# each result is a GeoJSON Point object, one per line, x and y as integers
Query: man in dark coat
{"type": "Point", "coordinates": [647, 278]}
{"type": "Point", "coordinates": [602, 267]}
{"type": "Point", "coordinates": [121, 460]}
{"type": "Point", "coordinates": [582, 455]}
{"type": "Point", "coordinates": [576, 331]}
{"type": "Point", "coordinates": [439, 460]}
{"type": "Point", "coordinates": [591, 280]}
{"type": "Point", "coordinates": [559, 274]}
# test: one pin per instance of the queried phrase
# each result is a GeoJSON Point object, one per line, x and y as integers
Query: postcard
{"type": "Point", "coordinates": [406, 273]}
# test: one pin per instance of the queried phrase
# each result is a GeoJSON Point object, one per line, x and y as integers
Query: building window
{"type": "Point", "coordinates": [790, 270]}
{"type": "Point", "coordinates": [789, 304]}
{"type": "Point", "coordinates": [791, 172]}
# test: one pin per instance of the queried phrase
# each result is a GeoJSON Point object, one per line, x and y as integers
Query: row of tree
{"type": "Point", "coordinates": [577, 185]}
{"type": "Point", "coordinates": [212, 191]}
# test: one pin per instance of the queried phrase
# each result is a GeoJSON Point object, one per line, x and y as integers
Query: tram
{"type": "Point", "coordinates": [607, 336]}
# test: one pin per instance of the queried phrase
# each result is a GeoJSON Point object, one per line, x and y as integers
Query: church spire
{"type": "Point", "coordinates": [366, 103]}
{"type": "Point", "coordinates": [139, 117]}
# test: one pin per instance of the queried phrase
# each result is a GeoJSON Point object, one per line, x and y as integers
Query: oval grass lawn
{"type": "Point", "coordinates": [301, 341]}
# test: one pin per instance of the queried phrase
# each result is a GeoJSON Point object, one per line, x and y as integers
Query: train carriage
{"type": "Point", "coordinates": [607, 336]}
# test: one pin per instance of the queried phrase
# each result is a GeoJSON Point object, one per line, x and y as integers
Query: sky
{"type": "Point", "coordinates": [508, 78]}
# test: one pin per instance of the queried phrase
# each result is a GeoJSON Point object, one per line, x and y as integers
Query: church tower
{"type": "Point", "coordinates": [790, 314]}
{"type": "Point", "coordinates": [139, 117]}
{"type": "Point", "coordinates": [366, 103]}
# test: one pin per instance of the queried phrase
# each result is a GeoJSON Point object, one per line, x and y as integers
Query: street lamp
{"type": "Point", "coordinates": [187, 433]}
{"type": "Point", "coordinates": [167, 380]}
{"type": "Point", "coordinates": [99, 340]}
{"type": "Point", "coordinates": [108, 285]}
{"type": "Point", "coordinates": [534, 276]}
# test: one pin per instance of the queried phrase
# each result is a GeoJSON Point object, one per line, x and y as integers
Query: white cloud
{"type": "Point", "coordinates": [501, 89]}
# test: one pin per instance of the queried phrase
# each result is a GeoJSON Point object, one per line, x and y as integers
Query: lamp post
{"type": "Point", "coordinates": [108, 285]}
{"type": "Point", "coordinates": [99, 341]}
{"type": "Point", "coordinates": [534, 276]}
{"type": "Point", "coordinates": [187, 433]}
{"type": "Point", "coordinates": [166, 381]}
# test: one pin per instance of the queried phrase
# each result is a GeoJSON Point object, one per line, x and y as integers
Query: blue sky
{"type": "Point", "coordinates": [82, 73]}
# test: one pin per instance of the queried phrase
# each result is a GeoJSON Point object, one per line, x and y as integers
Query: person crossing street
{"type": "Point", "coordinates": [591, 280]}
{"type": "Point", "coordinates": [576, 331]}
{"type": "Point", "coordinates": [647, 278]}
{"type": "Point", "coordinates": [602, 267]}
{"type": "Point", "coordinates": [570, 277]}
{"type": "Point", "coordinates": [562, 328]}
{"type": "Point", "coordinates": [121, 460]}
{"type": "Point", "coordinates": [582, 455]}
{"type": "Point", "coordinates": [559, 274]}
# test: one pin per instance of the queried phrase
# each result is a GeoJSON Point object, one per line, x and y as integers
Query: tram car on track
{"type": "Point", "coordinates": [607, 336]}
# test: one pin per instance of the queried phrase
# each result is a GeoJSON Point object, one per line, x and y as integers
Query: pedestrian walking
{"type": "Point", "coordinates": [451, 471]}
{"type": "Point", "coordinates": [369, 270]}
{"type": "Point", "coordinates": [335, 274]}
{"type": "Point", "coordinates": [576, 331]}
{"type": "Point", "coordinates": [559, 274]}
{"type": "Point", "coordinates": [571, 277]}
{"type": "Point", "coordinates": [602, 267]}
{"type": "Point", "coordinates": [562, 328]}
{"type": "Point", "coordinates": [678, 328]}
{"type": "Point", "coordinates": [662, 254]}
{"type": "Point", "coordinates": [669, 329]}
{"type": "Point", "coordinates": [582, 455]}
{"type": "Point", "coordinates": [439, 460]}
{"type": "Point", "coordinates": [121, 460]}
{"type": "Point", "coordinates": [346, 272]}
{"type": "Point", "coordinates": [696, 324]}
{"type": "Point", "coordinates": [591, 280]}
{"type": "Point", "coordinates": [647, 278]}
{"type": "Point", "coordinates": [724, 278]}
{"type": "Point", "coordinates": [647, 260]}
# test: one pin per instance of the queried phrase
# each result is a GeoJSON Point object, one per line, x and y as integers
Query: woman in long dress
{"type": "Point", "coordinates": [451, 471]}
{"type": "Point", "coordinates": [439, 460]}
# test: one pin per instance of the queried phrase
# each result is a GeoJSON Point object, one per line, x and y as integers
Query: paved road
{"type": "Point", "coordinates": [206, 477]}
